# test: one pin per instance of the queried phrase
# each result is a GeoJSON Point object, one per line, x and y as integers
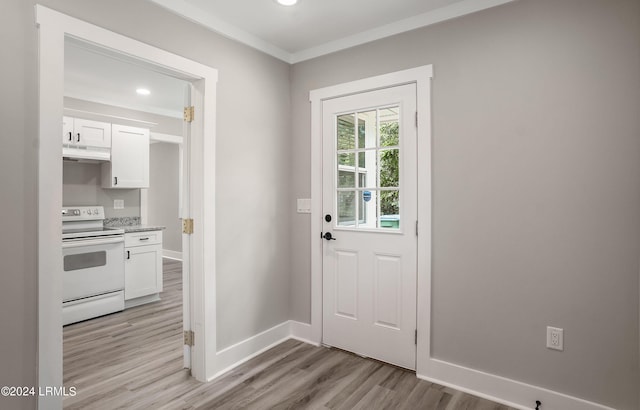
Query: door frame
{"type": "Point", "coordinates": [421, 76]}
{"type": "Point", "coordinates": [53, 27]}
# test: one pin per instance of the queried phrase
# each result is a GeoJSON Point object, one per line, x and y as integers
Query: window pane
{"type": "Point", "coordinates": [346, 208]}
{"type": "Point", "coordinates": [389, 127]}
{"type": "Point", "coordinates": [346, 179]}
{"type": "Point", "coordinates": [368, 208]}
{"type": "Point", "coordinates": [389, 209]}
{"type": "Point", "coordinates": [346, 132]}
{"type": "Point", "coordinates": [389, 168]}
{"type": "Point", "coordinates": [367, 169]}
{"type": "Point", "coordinates": [367, 137]}
{"type": "Point", "coordinates": [347, 159]}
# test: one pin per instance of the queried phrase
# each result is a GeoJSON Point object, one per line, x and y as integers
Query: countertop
{"type": "Point", "coordinates": [141, 228]}
{"type": "Point", "coordinates": [131, 224]}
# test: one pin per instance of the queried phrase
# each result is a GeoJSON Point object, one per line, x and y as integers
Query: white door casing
{"type": "Point", "coordinates": [53, 28]}
{"type": "Point", "coordinates": [369, 264]}
{"type": "Point", "coordinates": [421, 76]}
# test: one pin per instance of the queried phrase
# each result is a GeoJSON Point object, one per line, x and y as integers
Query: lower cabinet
{"type": "Point", "coordinates": [143, 267]}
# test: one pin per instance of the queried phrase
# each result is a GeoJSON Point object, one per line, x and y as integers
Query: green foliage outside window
{"type": "Point", "coordinates": [389, 168]}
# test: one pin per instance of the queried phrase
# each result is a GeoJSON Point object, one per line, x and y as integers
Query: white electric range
{"type": "Point", "coordinates": [93, 265]}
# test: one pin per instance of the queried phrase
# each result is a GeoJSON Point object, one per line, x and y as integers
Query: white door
{"type": "Point", "coordinates": [370, 215]}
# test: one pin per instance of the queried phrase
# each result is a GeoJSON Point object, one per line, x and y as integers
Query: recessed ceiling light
{"type": "Point", "coordinates": [287, 2]}
{"type": "Point", "coordinates": [143, 91]}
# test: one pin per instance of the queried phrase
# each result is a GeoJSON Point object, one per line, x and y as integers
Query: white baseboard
{"type": "Point", "coordinates": [302, 332]}
{"type": "Point", "coordinates": [232, 356]}
{"type": "Point", "coordinates": [502, 390]}
{"type": "Point", "coordinates": [488, 386]}
{"type": "Point", "coordinates": [172, 255]}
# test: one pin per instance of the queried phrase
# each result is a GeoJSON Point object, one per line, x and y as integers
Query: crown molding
{"type": "Point", "coordinates": [233, 32]}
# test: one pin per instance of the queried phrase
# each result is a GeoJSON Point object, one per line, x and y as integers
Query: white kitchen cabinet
{"type": "Point", "coordinates": [143, 267]}
{"type": "Point", "coordinates": [78, 132]}
{"type": "Point", "coordinates": [129, 166]}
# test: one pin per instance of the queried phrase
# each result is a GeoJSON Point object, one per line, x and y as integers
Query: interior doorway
{"type": "Point", "coordinates": [109, 88]}
{"type": "Point", "coordinates": [53, 29]}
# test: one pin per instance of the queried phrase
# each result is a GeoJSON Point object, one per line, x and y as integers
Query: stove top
{"type": "Point", "coordinates": [85, 222]}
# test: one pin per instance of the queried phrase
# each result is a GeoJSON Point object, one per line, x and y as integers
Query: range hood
{"type": "Point", "coordinates": [89, 154]}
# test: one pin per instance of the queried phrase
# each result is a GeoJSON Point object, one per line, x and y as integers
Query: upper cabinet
{"type": "Point", "coordinates": [129, 166]}
{"type": "Point", "coordinates": [78, 132]}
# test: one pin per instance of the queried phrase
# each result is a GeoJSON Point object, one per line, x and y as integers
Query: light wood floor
{"type": "Point", "coordinates": [133, 360]}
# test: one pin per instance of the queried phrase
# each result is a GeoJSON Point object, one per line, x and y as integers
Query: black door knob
{"type": "Point", "coordinates": [328, 236]}
{"type": "Point", "coordinates": [327, 218]}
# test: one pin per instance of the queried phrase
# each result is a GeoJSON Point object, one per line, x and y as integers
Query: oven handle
{"type": "Point", "coordinates": [90, 242]}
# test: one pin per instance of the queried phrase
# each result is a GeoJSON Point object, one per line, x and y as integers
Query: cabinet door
{"type": "Point", "coordinates": [129, 157]}
{"type": "Point", "coordinates": [87, 133]}
{"type": "Point", "coordinates": [142, 271]}
{"type": "Point", "coordinates": [67, 130]}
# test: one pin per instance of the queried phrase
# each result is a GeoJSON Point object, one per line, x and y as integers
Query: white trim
{"type": "Point", "coordinates": [209, 20]}
{"type": "Point", "coordinates": [52, 29]}
{"type": "Point", "coordinates": [168, 138]}
{"type": "Point", "coordinates": [421, 20]}
{"type": "Point", "coordinates": [421, 76]}
{"type": "Point", "coordinates": [177, 256]}
{"type": "Point", "coordinates": [72, 112]}
{"type": "Point", "coordinates": [204, 18]}
{"type": "Point", "coordinates": [302, 332]}
{"type": "Point", "coordinates": [233, 356]}
{"type": "Point", "coordinates": [502, 390]}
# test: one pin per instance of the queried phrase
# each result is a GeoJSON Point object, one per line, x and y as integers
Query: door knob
{"type": "Point", "coordinates": [328, 236]}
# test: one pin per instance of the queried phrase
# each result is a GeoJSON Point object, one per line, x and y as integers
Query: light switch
{"type": "Point", "coordinates": [118, 204]}
{"type": "Point", "coordinates": [304, 205]}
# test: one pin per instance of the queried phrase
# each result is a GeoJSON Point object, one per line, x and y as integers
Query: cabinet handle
{"type": "Point", "coordinates": [128, 254]}
{"type": "Point", "coordinates": [70, 136]}
{"type": "Point", "coordinates": [78, 138]}
{"type": "Point", "coordinates": [144, 239]}
{"type": "Point", "coordinates": [115, 180]}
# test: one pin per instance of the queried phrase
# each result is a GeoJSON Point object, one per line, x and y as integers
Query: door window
{"type": "Point", "coordinates": [368, 192]}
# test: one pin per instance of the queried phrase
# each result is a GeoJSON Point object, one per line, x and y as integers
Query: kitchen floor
{"type": "Point", "coordinates": [133, 360]}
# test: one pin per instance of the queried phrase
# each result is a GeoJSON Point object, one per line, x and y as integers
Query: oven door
{"type": "Point", "coordinates": [92, 267]}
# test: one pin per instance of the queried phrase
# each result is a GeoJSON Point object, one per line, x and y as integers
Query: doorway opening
{"type": "Point", "coordinates": [53, 29]}
{"type": "Point", "coordinates": [102, 89]}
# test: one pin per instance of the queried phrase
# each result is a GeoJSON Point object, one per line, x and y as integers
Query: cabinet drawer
{"type": "Point", "coordinates": [142, 238]}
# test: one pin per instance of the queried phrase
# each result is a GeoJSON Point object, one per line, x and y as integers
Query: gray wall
{"type": "Point", "coordinates": [253, 128]}
{"type": "Point", "coordinates": [82, 186]}
{"type": "Point", "coordinates": [163, 193]}
{"type": "Point", "coordinates": [536, 201]}
{"type": "Point", "coordinates": [18, 295]}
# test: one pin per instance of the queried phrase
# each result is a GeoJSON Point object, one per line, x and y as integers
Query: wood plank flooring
{"type": "Point", "coordinates": [133, 360]}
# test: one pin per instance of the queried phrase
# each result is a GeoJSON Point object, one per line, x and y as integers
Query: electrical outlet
{"type": "Point", "coordinates": [118, 204]}
{"type": "Point", "coordinates": [555, 338]}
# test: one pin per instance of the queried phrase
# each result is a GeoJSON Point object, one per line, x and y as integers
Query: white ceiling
{"type": "Point", "coordinates": [307, 30]}
{"type": "Point", "coordinates": [316, 27]}
{"type": "Point", "coordinates": [98, 75]}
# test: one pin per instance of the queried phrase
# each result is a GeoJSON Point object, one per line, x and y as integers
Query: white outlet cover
{"type": "Point", "coordinates": [118, 204]}
{"type": "Point", "coordinates": [555, 338]}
